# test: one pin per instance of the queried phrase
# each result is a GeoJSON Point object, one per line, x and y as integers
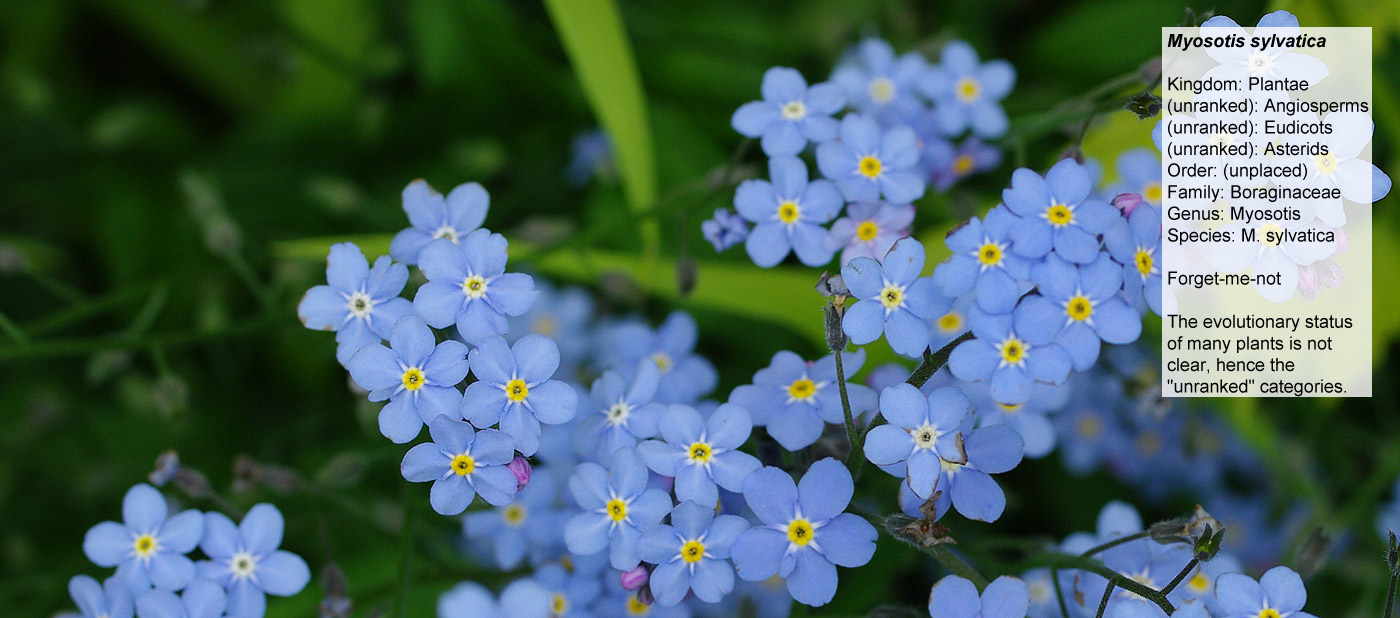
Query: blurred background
{"type": "Point", "coordinates": [171, 172]}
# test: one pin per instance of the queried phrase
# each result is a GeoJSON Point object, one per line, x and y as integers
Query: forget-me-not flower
{"type": "Point", "coordinates": [788, 213]}
{"type": "Point", "coordinates": [527, 525]}
{"type": "Point", "coordinates": [701, 454]}
{"type": "Point", "coordinates": [1139, 171]}
{"type": "Point", "coordinates": [1137, 245]}
{"type": "Point", "coordinates": [881, 84]}
{"type": "Point", "coordinates": [685, 375]}
{"type": "Point", "coordinates": [202, 599]}
{"type": "Point", "coordinates": [869, 229]}
{"type": "Point", "coordinates": [1084, 300]}
{"type": "Point", "coordinates": [947, 164]}
{"type": "Point", "coordinates": [921, 433]}
{"type": "Point", "coordinates": [617, 508]}
{"type": "Point", "coordinates": [983, 263]}
{"type": "Point", "coordinates": [246, 561]}
{"type": "Point", "coordinates": [790, 114]}
{"type": "Point", "coordinates": [691, 554]}
{"type": "Point", "coordinates": [468, 286]}
{"type": "Point", "coordinates": [1057, 213]}
{"type": "Point", "coordinates": [513, 388]}
{"type": "Point", "coordinates": [956, 597]}
{"type": "Point", "coordinates": [805, 533]}
{"type": "Point", "coordinates": [795, 399]}
{"type": "Point", "coordinates": [625, 412]}
{"type": "Point", "coordinates": [360, 303]}
{"type": "Point", "coordinates": [724, 230]}
{"type": "Point", "coordinates": [461, 463]}
{"type": "Point", "coordinates": [1279, 592]}
{"type": "Point", "coordinates": [110, 599]}
{"type": "Point", "coordinates": [968, 485]}
{"type": "Point", "coordinates": [570, 593]}
{"type": "Point", "coordinates": [1011, 357]}
{"type": "Point", "coordinates": [869, 164]}
{"type": "Point", "coordinates": [967, 93]}
{"type": "Point", "coordinates": [431, 216]}
{"type": "Point", "coordinates": [415, 373]}
{"type": "Point", "coordinates": [149, 547]}
{"type": "Point", "coordinates": [894, 299]}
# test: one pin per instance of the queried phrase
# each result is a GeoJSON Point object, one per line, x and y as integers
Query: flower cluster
{"type": "Point", "coordinates": [880, 131]}
{"type": "Point", "coordinates": [156, 578]}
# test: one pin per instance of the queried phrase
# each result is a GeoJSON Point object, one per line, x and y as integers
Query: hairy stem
{"type": "Point", "coordinates": [1115, 542]}
{"type": "Point", "coordinates": [1180, 576]}
{"type": "Point", "coordinates": [935, 361]}
{"type": "Point", "coordinates": [945, 556]}
{"type": "Point", "coordinates": [1390, 595]}
{"type": "Point", "coordinates": [1103, 603]}
{"type": "Point", "coordinates": [856, 458]}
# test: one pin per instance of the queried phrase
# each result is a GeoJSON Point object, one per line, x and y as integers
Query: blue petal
{"type": "Point", "coordinates": [753, 118]}
{"type": "Point", "coordinates": [261, 528]}
{"type": "Point", "coordinates": [772, 495]}
{"type": "Point", "coordinates": [848, 540]}
{"type": "Point", "coordinates": [283, 573]}
{"type": "Point", "coordinates": [758, 552]}
{"type": "Point", "coordinates": [813, 582]}
{"type": "Point", "coordinates": [144, 509]}
{"type": "Point", "coordinates": [977, 496]}
{"type": "Point", "coordinates": [954, 597]}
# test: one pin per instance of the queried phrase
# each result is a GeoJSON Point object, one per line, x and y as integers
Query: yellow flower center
{"type": "Point", "coordinates": [1152, 192]}
{"type": "Point", "coordinates": [413, 379]}
{"type": "Point", "coordinates": [788, 212]}
{"type": "Point", "coordinates": [794, 110]}
{"type": "Point", "coordinates": [1199, 584]}
{"type": "Point", "coordinates": [514, 514]}
{"type": "Point", "coordinates": [989, 254]}
{"type": "Point", "coordinates": [145, 545]}
{"type": "Point", "coordinates": [870, 166]}
{"type": "Point", "coordinates": [700, 452]}
{"type": "Point", "coordinates": [881, 90]}
{"type": "Point", "coordinates": [1059, 215]}
{"type": "Point", "coordinates": [546, 325]}
{"type": "Point", "coordinates": [1010, 408]}
{"type": "Point", "coordinates": [1079, 308]}
{"type": "Point", "coordinates": [1268, 612]}
{"type": "Point", "coordinates": [1013, 351]}
{"type": "Point", "coordinates": [1089, 427]}
{"type": "Point", "coordinates": [474, 286]}
{"type": "Point", "coordinates": [617, 509]}
{"type": "Point", "coordinates": [892, 296]}
{"type": "Point", "coordinates": [1143, 259]}
{"type": "Point", "coordinates": [692, 551]}
{"type": "Point", "coordinates": [1326, 164]}
{"type": "Point", "coordinates": [463, 464]}
{"type": "Point", "coordinates": [1270, 234]}
{"type": "Point", "coordinates": [800, 532]}
{"type": "Point", "coordinates": [968, 89]}
{"type": "Point", "coordinates": [516, 390]}
{"type": "Point", "coordinates": [950, 322]}
{"type": "Point", "coordinates": [636, 607]}
{"type": "Point", "coordinates": [558, 604]}
{"type": "Point", "coordinates": [663, 361]}
{"type": "Point", "coordinates": [802, 388]}
{"type": "Point", "coordinates": [867, 231]}
{"type": "Point", "coordinates": [962, 165]}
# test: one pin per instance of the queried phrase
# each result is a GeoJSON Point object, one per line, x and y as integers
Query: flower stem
{"type": "Point", "coordinates": [1107, 594]}
{"type": "Point", "coordinates": [1180, 576]}
{"type": "Point", "coordinates": [1390, 595]}
{"type": "Point", "coordinates": [1115, 542]}
{"type": "Point", "coordinates": [945, 556]}
{"type": "Point", "coordinates": [1059, 594]}
{"type": "Point", "coordinates": [935, 361]}
{"type": "Point", "coordinates": [854, 459]}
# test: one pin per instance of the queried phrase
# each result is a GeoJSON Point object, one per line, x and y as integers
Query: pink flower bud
{"type": "Point", "coordinates": [636, 578]}
{"type": "Point", "coordinates": [1126, 202]}
{"type": "Point", "coordinates": [520, 467]}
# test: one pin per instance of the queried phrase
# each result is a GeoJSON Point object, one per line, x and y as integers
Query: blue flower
{"type": "Point", "coordinates": [149, 547]}
{"type": "Point", "coordinates": [528, 524]}
{"type": "Point", "coordinates": [895, 300]}
{"type": "Point", "coordinates": [796, 399]}
{"type": "Point", "coordinates": [1030, 419]}
{"type": "Point", "coordinates": [461, 463]}
{"type": "Point", "coordinates": [685, 375]}
{"type": "Point", "coordinates": [920, 433]}
{"type": "Point", "coordinates": [467, 285]}
{"type": "Point", "coordinates": [1012, 358]}
{"type": "Point", "coordinates": [952, 324]}
{"type": "Point", "coordinates": [361, 304]}
{"type": "Point", "coordinates": [983, 263]}
{"type": "Point", "coordinates": [1089, 430]}
{"type": "Point", "coordinates": [569, 594]}
{"type": "Point", "coordinates": [868, 164]}
{"type": "Point", "coordinates": [1057, 213]}
{"type": "Point", "coordinates": [725, 229]}
{"type": "Point", "coordinates": [625, 413]}
{"type": "Point", "coordinates": [880, 84]}
{"type": "Point", "coordinates": [790, 114]}
{"type": "Point", "coordinates": [947, 164]}
{"type": "Point", "coordinates": [590, 155]}
{"type": "Point", "coordinates": [788, 213]}
{"type": "Point", "coordinates": [702, 455]}
{"type": "Point", "coordinates": [805, 533]}
{"type": "Point", "coordinates": [1084, 301]}
{"type": "Point", "coordinates": [968, 485]}
{"type": "Point", "coordinates": [564, 316]}
{"type": "Point", "coordinates": [245, 560]}
{"type": "Point", "coordinates": [692, 554]}
{"type": "Point", "coordinates": [202, 599]}
{"type": "Point", "coordinates": [1140, 172]}
{"type": "Point", "coordinates": [869, 229]}
{"type": "Point", "coordinates": [521, 599]}
{"type": "Point", "coordinates": [617, 508]}
{"type": "Point", "coordinates": [967, 93]}
{"type": "Point", "coordinates": [431, 216]}
{"type": "Point", "coordinates": [513, 388]}
{"type": "Point", "coordinates": [110, 599]}
{"type": "Point", "coordinates": [417, 375]}
{"type": "Point", "coordinates": [1137, 245]}
{"type": "Point", "coordinates": [1280, 591]}
{"type": "Point", "coordinates": [955, 597]}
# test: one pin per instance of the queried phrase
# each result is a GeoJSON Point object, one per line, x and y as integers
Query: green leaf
{"type": "Point", "coordinates": [592, 34]}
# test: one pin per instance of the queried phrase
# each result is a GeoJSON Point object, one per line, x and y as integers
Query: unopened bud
{"type": "Point", "coordinates": [636, 578]}
{"type": "Point", "coordinates": [166, 466]}
{"type": "Point", "coordinates": [832, 285]}
{"type": "Point", "coordinates": [1126, 202]}
{"type": "Point", "coordinates": [520, 467]}
{"type": "Point", "coordinates": [192, 482]}
{"type": "Point", "coordinates": [836, 339]}
{"type": "Point", "coordinates": [1392, 554]}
